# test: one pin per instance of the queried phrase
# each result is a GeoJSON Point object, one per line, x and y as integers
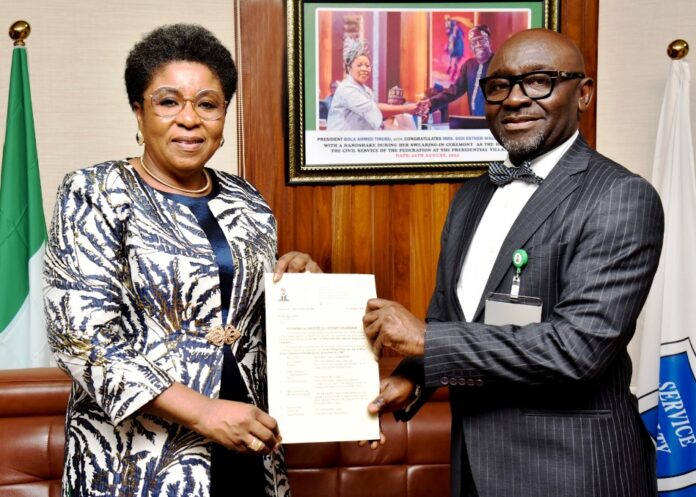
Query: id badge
{"type": "Point", "coordinates": [502, 309]}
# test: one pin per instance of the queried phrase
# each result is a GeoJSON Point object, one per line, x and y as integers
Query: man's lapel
{"type": "Point", "coordinates": [563, 179]}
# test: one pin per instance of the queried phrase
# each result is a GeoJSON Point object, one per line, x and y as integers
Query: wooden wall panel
{"type": "Point", "coordinates": [400, 250]}
{"type": "Point", "coordinates": [580, 21]}
{"type": "Point", "coordinates": [382, 242]}
{"type": "Point", "coordinates": [393, 230]}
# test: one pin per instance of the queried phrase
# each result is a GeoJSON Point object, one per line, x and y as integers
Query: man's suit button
{"type": "Point", "coordinates": [479, 382]}
{"type": "Point", "coordinates": [453, 381]}
{"type": "Point", "coordinates": [461, 381]}
{"type": "Point", "coordinates": [444, 380]}
{"type": "Point", "coordinates": [470, 382]}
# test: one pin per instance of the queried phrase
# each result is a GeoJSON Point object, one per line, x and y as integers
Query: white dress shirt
{"type": "Point", "coordinates": [502, 211]}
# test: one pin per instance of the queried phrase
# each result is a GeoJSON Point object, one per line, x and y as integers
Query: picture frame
{"type": "Point", "coordinates": [367, 122]}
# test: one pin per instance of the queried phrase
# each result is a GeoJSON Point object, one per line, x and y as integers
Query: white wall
{"type": "Point", "coordinates": [633, 66]}
{"type": "Point", "coordinates": [77, 52]}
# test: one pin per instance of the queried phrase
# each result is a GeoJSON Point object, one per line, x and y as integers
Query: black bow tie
{"type": "Point", "coordinates": [501, 175]}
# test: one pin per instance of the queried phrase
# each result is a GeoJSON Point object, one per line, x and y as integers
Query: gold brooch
{"type": "Point", "coordinates": [220, 335]}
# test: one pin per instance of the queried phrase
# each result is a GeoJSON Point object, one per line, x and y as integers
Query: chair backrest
{"type": "Point", "coordinates": [32, 416]}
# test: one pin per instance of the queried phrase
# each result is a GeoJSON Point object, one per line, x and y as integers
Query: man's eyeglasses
{"type": "Point", "coordinates": [536, 85]}
{"type": "Point", "coordinates": [210, 105]}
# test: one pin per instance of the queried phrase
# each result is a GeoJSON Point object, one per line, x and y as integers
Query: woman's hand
{"type": "Point", "coordinates": [411, 108]}
{"type": "Point", "coordinates": [294, 262]}
{"type": "Point", "coordinates": [239, 427]}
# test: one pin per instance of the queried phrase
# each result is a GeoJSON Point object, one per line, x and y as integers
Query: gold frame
{"type": "Point", "coordinates": [298, 173]}
{"type": "Point", "coordinates": [241, 161]}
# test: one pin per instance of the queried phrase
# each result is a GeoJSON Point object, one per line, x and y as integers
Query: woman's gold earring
{"type": "Point", "coordinates": [139, 138]}
{"type": "Point", "coordinates": [222, 142]}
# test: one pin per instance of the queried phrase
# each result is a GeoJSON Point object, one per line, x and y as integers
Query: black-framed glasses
{"type": "Point", "coordinates": [167, 101]}
{"type": "Point", "coordinates": [536, 84]}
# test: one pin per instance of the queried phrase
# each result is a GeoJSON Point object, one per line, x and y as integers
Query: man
{"type": "Point", "coordinates": [544, 408]}
{"type": "Point", "coordinates": [468, 80]}
{"type": "Point", "coordinates": [325, 104]}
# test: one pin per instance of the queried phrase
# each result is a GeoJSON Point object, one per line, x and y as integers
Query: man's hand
{"type": "Point", "coordinates": [389, 324]}
{"type": "Point", "coordinates": [395, 393]}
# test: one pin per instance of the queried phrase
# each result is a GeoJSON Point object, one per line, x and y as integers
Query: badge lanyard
{"type": "Point", "coordinates": [519, 260]}
{"type": "Point", "coordinates": [513, 309]}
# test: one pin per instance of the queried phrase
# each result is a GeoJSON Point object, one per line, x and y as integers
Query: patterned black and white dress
{"type": "Point", "coordinates": [131, 289]}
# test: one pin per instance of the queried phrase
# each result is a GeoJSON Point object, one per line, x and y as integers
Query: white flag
{"type": "Point", "coordinates": [667, 375]}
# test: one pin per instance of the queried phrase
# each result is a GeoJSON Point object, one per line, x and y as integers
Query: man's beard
{"type": "Point", "coordinates": [523, 148]}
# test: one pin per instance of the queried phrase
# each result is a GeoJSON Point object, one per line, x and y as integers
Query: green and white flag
{"type": "Point", "coordinates": [23, 341]}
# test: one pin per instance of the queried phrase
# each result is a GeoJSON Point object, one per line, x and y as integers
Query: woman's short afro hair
{"type": "Point", "coordinates": [173, 43]}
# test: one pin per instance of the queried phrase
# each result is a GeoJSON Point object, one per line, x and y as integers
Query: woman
{"type": "Point", "coordinates": [354, 106]}
{"type": "Point", "coordinates": [154, 298]}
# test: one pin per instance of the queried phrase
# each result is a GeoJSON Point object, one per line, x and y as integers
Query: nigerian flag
{"type": "Point", "coordinates": [22, 231]}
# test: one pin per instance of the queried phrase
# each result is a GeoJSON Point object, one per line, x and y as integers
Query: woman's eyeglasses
{"type": "Point", "coordinates": [210, 105]}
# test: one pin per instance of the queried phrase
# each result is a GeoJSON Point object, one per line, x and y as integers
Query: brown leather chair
{"type": "Point", "coordinates": [32, 414]}
{"type": "Point", "coordinates": [413, 463]}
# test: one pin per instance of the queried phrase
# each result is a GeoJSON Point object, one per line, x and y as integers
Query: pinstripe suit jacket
{"type": "Point", "coordinates": [545, 409]}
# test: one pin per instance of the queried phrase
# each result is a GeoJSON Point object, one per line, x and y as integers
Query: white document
{"type": "Point", "coordinates": [322, 373]}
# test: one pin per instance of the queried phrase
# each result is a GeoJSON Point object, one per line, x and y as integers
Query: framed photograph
{"type": "Point", "coordinates": [388, 91]}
